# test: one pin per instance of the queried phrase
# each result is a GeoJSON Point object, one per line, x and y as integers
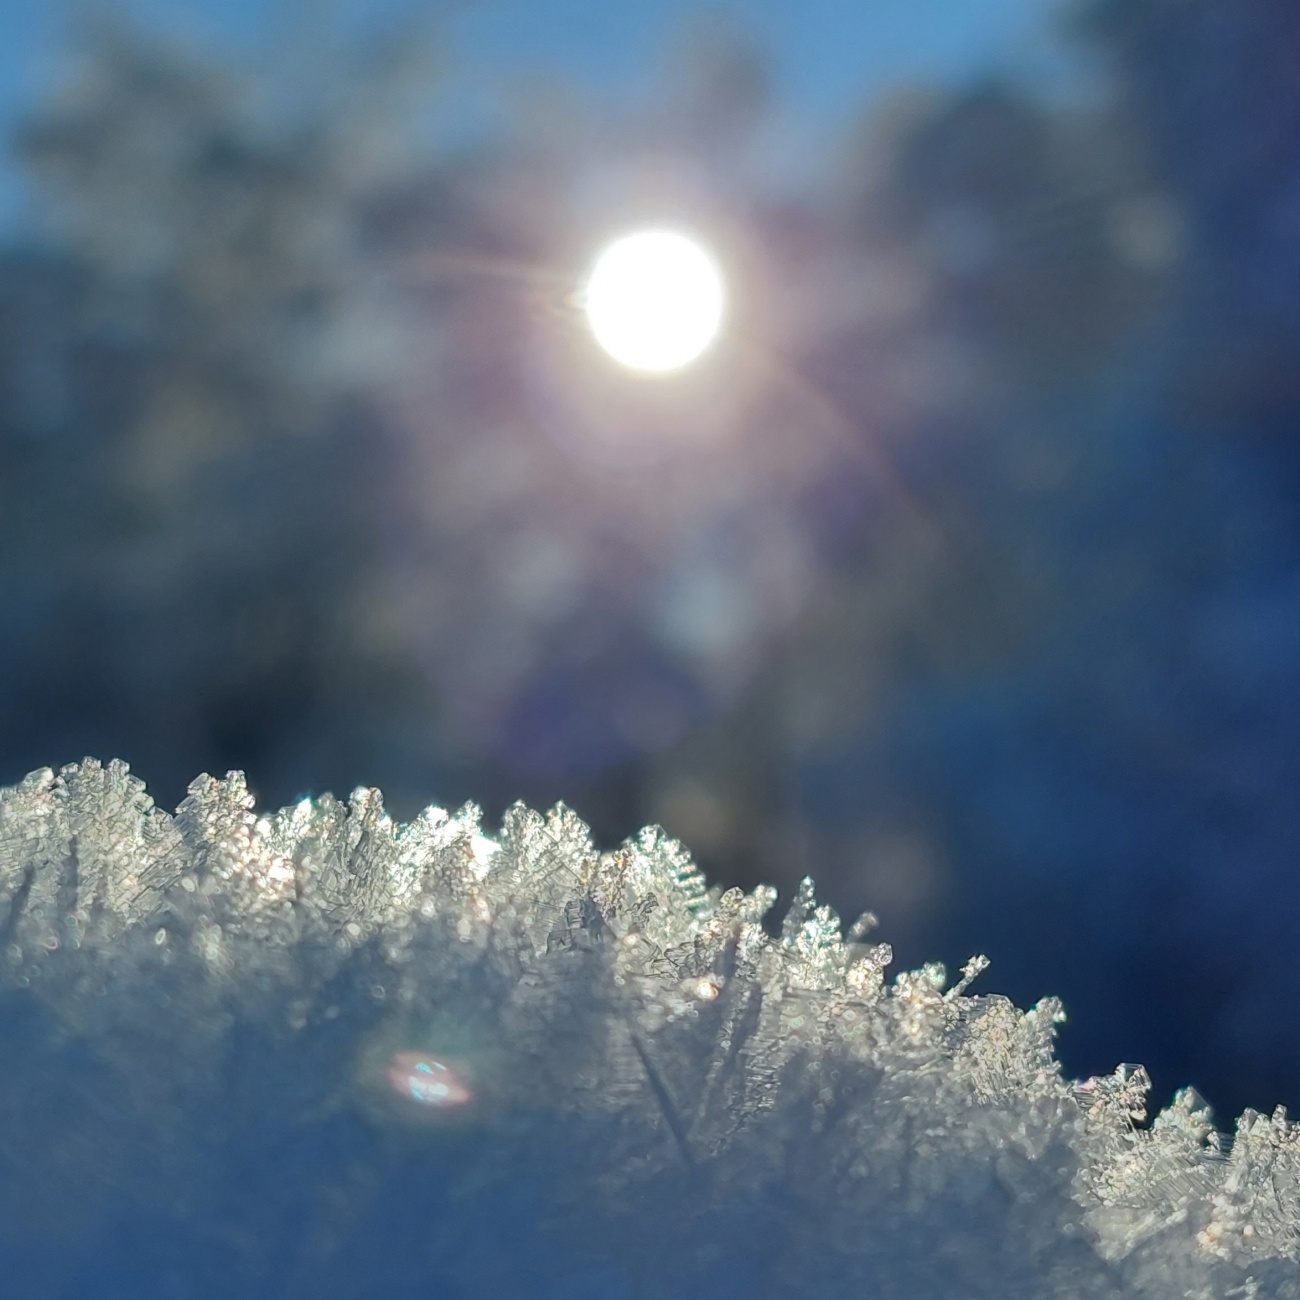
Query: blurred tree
{"type": "Point", "coordinates": [192, 550]}
{"type": "Point", "coordinates": [1214, 86]}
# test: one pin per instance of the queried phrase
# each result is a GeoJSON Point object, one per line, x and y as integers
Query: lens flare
{"type": "Point", "coordinates": [427, 1081]}
{"type": "Point", "coordinates": [655, 300]}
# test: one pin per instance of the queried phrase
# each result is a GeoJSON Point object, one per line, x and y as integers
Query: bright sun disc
{"type": "Point", "coordinates": [655, 300]}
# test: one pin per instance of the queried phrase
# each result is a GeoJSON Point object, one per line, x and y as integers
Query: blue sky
{"type": "Point", "coordinates": [830, 56]}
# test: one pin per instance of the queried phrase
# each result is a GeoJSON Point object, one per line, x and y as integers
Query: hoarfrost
{"type": "Point", "coordinates": [316, 1052]}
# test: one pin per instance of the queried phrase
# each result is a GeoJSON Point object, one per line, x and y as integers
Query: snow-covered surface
{"type": "Point", "coordinates": [316, 1052]}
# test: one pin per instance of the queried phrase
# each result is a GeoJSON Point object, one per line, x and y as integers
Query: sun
{"type": "Point", "coordinates": [655, 300]}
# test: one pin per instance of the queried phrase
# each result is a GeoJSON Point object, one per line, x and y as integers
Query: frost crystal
{"type": "Point", "coordinates": [319, 1053]}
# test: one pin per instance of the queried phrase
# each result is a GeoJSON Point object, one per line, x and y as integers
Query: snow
{"type": "Point", "coordinates": [200, 1013]}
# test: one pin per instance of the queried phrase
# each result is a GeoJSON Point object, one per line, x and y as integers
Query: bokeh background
{"type": "Point", "coordinates": [964, 575]}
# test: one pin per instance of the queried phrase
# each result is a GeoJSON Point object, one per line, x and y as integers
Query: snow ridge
{"type": "Point", "coordinates": [324, 1053]}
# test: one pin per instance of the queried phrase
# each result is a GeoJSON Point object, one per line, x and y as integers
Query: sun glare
{"type": "Point", "coordinates": [655, 300]}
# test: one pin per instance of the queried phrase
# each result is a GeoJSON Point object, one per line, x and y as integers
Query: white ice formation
{"type": "Point", "coordinates": [226, 1037]}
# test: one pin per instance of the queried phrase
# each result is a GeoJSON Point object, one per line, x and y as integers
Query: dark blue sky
{"type": "Point", "coordinates": [830, 55]}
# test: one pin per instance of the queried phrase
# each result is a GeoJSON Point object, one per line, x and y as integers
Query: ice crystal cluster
{"type": "Point", "coordinates": [318, 1053]}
